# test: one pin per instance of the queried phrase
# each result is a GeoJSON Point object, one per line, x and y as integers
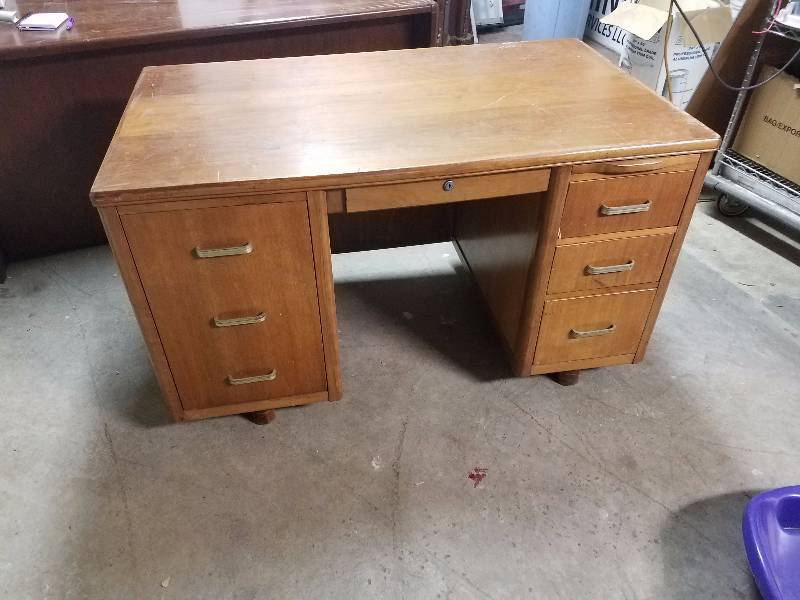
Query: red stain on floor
{"type": "Point", "coordinates": [477, 475]}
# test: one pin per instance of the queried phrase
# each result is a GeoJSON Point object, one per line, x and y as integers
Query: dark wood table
{"type": "Point", "coordinates": [62, 93]}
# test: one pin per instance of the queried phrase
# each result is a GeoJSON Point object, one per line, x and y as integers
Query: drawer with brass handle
{"type": "Point", "coordinates": [271, 376]}
{"type": "Point", "coordinates": [211, 311]}
{"type": "Point", "coordinates": [625, 209]}
{"type": "Point", "coordinates": [592, 326]}
{"type": "Point", "coordinates": [624, 203]}
{"type": "Point", "coordinates": [577, 334]}
{"type": "Point", "coordinates": [603, 264]}
{"type": "Point", "coordinates": [245, 248]}
{"type": "Point", "coordinates": [236, 321]}
{"type": "Point", "coordinates": [607, 270]}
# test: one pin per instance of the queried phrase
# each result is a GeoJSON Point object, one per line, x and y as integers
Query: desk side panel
{"type": "Point", "coordinates": [141, 308]}
{"type": "Point", "coordinates": [539, 272]}
{"type": "Point", "coordinates": [320, 240]}
{"type": "Point", "coordinates": [497, 239]}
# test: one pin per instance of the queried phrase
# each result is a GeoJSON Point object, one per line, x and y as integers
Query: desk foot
{"type": "Point", "coordinates": [261, 417]}
{"type": "Point", "coordinates": [567, 377]}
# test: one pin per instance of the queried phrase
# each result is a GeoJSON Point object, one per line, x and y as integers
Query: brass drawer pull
{"type": "Point", "coordinates": [591, 270]}
{"type": "Point", "coordinates": [625, 210]}
{"type": "Point", "coordinates": [245, 248]}
{"type": "Point", "coordinates": [637, 167]}
{"type": "Point", "coordinates": [259, 318]}
{"type": "Point", "coordinates": [253, 379]}
{"type": "Point", "coordinates": [575, 334]}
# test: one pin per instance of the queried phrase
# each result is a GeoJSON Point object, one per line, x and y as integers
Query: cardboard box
{"type": "Point", "coordinates": [642, 53]}
{"type": "Point", "coordinates": [770, 129]}
{"type": "Point", "coordinates": [609, 36]}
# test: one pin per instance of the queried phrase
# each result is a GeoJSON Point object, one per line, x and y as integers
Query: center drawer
{"type": "Point", "coordinates": [443, 191]}
{"type": "Point", "coordinates": [233, 294]}
{"type": "Point", "coordinates": [624, 203]}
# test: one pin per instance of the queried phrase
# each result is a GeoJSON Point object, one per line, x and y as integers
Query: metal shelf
{"type": "Point", "coordinates": [782, 30]}
{"type": "Point", "coordinates": [760, 180]}
{"type": "Point", "coordinates": [743, 179]}
{"type": "Point", "coordinates": [746, 181]}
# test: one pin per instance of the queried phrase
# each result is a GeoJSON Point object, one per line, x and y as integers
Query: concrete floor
{"type": "Point", "coordinates": [628, 485]}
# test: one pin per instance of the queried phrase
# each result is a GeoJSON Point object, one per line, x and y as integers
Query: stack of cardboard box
{"type": "Point", "coordinates": [636, 29]}
{"type": "Point", "coordinates": [770, 130]}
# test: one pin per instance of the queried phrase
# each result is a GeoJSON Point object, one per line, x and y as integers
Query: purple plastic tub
{"type": "Point", "coordinates": [771, 528]}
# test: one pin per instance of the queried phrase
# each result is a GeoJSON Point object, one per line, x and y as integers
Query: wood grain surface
{"type": "Point", "coordinates": [497, 239]}
{"type": "Point", "coordinates": [320, 239]}
{"type": "Point", "coordinates": [627, 312]}
{"type": "Point", "coordinates": [666, 193]}
{"type": "Point", "coordinates": [539, 271]}
{"type": "Point", "coordinates": [372, 130]}
{"type": "Point", "coordinates": [635, 166]}
{"type": "Point", "coordinates": [186, 293]}
{"type": "Point", "coordinates": [334, 121]}
{"type": "Point", "coordinates": [443, 191]}
{"type": "Point", "coordinates": [585, 363]}
{"type": "Point", "coordinates": [141, 308]}
{"type": "Point", "coordinates": [647, 253]}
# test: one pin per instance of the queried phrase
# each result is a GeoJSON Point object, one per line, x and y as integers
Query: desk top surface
{"type": "Point", "coordinates": [337, 120]}
{"type": "Point", "coordinates": [115, 23]}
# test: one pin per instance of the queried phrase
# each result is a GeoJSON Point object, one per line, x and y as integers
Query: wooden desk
{"type": "Point", "coordinates": [62, 93]}
{"type": "Point", "coordinates": [571, 184]}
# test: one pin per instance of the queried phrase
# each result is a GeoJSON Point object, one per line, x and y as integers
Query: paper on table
{"type": "Point", "coordinates": [43, 21]}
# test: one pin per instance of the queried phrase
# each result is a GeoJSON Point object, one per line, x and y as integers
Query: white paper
{"type": "Point", "coordinates": [638, 19]}
{"type": "Point", "coordinates": [43, 21]}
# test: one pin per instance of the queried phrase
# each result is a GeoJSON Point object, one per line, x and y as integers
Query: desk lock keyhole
{"type": "Point", "coordinates": [448, 185]}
